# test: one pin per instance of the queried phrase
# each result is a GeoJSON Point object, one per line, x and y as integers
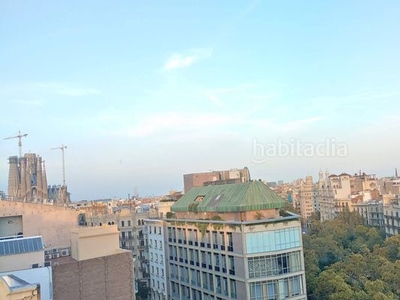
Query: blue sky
{"type": "Point", "coordinates": [142, 92]}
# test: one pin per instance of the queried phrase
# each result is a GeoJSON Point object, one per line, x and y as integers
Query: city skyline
{"type": "Point", "coordinates": [142, 94]}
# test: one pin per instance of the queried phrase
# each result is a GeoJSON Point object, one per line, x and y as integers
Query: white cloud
{"type": "Point", "coordinates": [213, 98]}
{"type": "Point", "coordinates": [177, 60]}
{"type": "Point", "coordinates": [172, 125]}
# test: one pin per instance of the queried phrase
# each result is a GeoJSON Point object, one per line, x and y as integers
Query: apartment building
{"type": "Point", "coordinates": [215, 178]}
{"type": "Point", "coordinates": [155, 236]}
{"type": "Point", "coordinates": [371, 211]}
{"type": "Point", "coordinates": [391, 214]}
{"type": "Point", "coordinates": [234, 241]}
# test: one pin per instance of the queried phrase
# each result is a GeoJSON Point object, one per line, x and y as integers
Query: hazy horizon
{"type": "Point", "coordinates": [142, 93]}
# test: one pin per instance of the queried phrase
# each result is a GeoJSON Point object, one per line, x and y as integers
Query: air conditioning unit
{"type": "Point", "coordinates": [47, 264]}
{"type": "Point", "coordinates": [47, 256]}
{"type": "Point", "coordinates": [64, 252]}
{"type": "Point", "coordinates": [56, 255]}
{"type": "Point", "coordinates": [47, 252]}
{"type": "Point", "coordinates": [34, 266]}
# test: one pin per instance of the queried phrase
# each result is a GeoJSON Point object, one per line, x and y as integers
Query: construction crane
{"type": "Point", "coordinates": [63, 160]}
{"type": "Point", "coordinates": [19, 136]}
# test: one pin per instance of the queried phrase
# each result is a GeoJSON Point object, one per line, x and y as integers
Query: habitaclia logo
{"type": "Point", "coordinates": [297, 148]}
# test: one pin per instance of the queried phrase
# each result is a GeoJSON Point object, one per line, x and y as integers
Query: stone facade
{"type": "Point", "coordinates": [27, 179]}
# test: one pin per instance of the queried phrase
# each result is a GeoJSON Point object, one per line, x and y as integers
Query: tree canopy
{"type": "Point", "coordinates": [345, 259]}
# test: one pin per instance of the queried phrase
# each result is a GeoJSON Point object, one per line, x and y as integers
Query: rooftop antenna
{"type": "Point", "coordinates": [19, 136]}
{"type": "Point", "coordinates": [63, 159]}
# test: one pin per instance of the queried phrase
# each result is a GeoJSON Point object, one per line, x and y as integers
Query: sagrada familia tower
{"type": "Point", "coordinates": [27, 179]}
{"type": "Point", "coordinates": [27, 182]}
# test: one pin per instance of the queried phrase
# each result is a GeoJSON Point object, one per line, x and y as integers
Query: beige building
{"type": "Point", "coordinates": [92, 242]}
{"type": "Point", "coordinates": [390, 185]}
{"type": "Point", "coordinates": [14, 288]}
{"type": "Point", "coordinates": [97, 269]}
{"type": "Point", "coordinates": [21, 253]}
{"type": "Point", "coordinates": [347, 192]}
{"type": "Point", "coordinates": [308, 199]}
{"type": "Point", "coordinates": [130, 223]}
{"type": "Point", "coordinates": [326, 197]}
{"type": "Point", "coordinates": [215, 177]}
{"type": "Point", "coordinates": [53, 223]}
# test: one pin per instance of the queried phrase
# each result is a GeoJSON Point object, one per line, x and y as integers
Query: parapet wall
{"type": "Point", "coordinates": [53, 223]}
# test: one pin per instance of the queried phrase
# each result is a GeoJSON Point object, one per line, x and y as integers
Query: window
{"type": "Point", "coordinates": [222, 238]}
{"type": "Point", "coordinates": [211, 281]}
{"type": "Point", "coordinates": [276, 289]}
{"type": "Point", "coordinates": [122, 223]}
{"type": "Point", "coordinates": [256, 291]}
{"type": "Point", "coordinates": [205, 285]}
{"type": "Point", "coordinates": [233, 288]}
{"type": "Point", "coordinates": [274, 264]}
{"type": "Point", "coordinates": [273, 240]}
{"type": "Point", "coordinates": [215, 237]}
{"type": "Point", "coordinates": [223, 261]}
{"type": "Point", "coordinates": [216, 259]}
{"type": "Point", "coordinates": [129, 223]}
{"type": "Point", "coordinates": [209, 262]}
{"type": "Point", "coordinates": [231, 263]}
{"type": "Point", "coordinates": [203, 257]}
{"type": "Point", "coordinates": [230, 241]}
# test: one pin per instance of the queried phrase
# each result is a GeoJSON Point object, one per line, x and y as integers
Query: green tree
{"type": "Point", "coordinates": [345, 259]}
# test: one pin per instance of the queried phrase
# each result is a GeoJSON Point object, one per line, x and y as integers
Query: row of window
{"type": "Point", "coordinates": [157, 285]}
{"type": "Point", "coordinates": [218, 239]}
{"type": "Point", "coordinates": [156, 244]}
{"type": "Point", "coordinates": [277, 289]}
{"type": "Point", "coordinates": [157, 271]}
{"type": "Point", "coordinates": [126, 234]}
{"type": "Point", "coordinates": [199, 258]}
{"type": "Point", "coordinates": [275, 240]}
{"type": "Point", "coordinates": [215, 284]}
{"type": "Point", "coordinates": [273, 265]}
{"type": "Point", "coordinates": [129, 223]}
{"type": "Point", "coordinates": [154, 229]}
{"type": "Point", "coordinates": [154, 257]}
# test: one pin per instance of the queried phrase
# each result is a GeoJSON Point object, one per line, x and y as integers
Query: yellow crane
{"type": "Point", "coordinates": [63, 159]}
{"type": "Point", "coordinates": [19, 136]}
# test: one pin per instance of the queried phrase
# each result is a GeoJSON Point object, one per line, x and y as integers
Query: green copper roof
{"type": "Point", "coordinates": [229, 198]}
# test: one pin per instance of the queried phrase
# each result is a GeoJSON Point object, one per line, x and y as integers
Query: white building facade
{"type": "Point", "coordinates": [155, 236]}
